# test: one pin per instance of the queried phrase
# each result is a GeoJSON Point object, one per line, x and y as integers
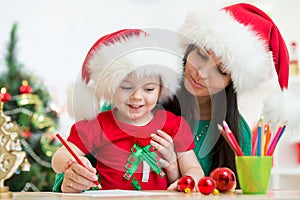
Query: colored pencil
{"type": "Point", "coordinates": [263, 136]}
{"type": "Point", "coordinates": [275, 140]}
{"type": "Point", "coordinates": [267, 139]}
{"type": "Point", "coordinates": [74, 155]}
{"type": "Point", "coordinates": [254, 142]}
{"type": "Point", "coordinates": [232, 139]}
{"type": "Point", "coordinates": [224, 134]}
{"type": "Point", "coordinates": [259, 138]}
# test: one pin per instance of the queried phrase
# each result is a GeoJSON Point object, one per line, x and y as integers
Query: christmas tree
{"type": "Point", "coordinates": [29, 105]}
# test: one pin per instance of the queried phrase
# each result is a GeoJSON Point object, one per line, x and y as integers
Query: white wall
{"type": "Point", "coordinates": [55, 35]}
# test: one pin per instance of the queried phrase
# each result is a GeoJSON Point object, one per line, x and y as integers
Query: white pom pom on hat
{"type": "Point", "coordinates": [115, 55]}
{"type": "Point", "coordinates": [283, 106]}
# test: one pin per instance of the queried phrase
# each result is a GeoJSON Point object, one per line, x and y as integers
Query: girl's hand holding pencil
{"type": "Point", "coordinates": [81, 163]}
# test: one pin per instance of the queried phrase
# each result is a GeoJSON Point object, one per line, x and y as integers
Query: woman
{"type": "Point", "coordinates": [227, 53]}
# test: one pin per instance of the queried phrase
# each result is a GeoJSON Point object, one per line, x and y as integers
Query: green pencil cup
{"type": "Point", "coordinates": [253, 173]}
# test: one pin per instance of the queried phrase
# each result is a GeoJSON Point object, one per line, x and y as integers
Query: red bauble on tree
{"type": "Point", "coordinates": [225, 179]}
{"type": "Point", "coordinates": [4, 95]}
{"type": "Point", "coordinates": [206, 185]}
{"type": "Point", "coordinates": [25, 88]}
{"type": "Point", "coordinates": [186, 184]}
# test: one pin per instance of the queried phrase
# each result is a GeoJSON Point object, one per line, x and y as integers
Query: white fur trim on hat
{"type": "Point", "coordinates": [82, 102]}
{"type": "Point", "coordinates": [244, 54]}
{"type": "Point", "coordinates": [108, 64]}
{"type": "Point", "coordinates": [283, 106]}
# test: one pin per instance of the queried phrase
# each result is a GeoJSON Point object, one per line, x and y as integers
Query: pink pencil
{"type": "Point", "coordinates": [275, 140]}
{"type": "Point", "coordinates": [254, 143]}
{"type": "Point", "coordinates": [222, 131]}
{"type": "Point", "coordinates": [232, 138]}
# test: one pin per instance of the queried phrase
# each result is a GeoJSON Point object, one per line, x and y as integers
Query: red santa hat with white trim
{"type": "Point", "coordinates": [243, 36]}
{"type": "Point", "coordinates": [110, 60]}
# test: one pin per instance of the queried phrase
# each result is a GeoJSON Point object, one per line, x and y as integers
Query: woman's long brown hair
{"type": "Point", "coordinates": [185, 104]}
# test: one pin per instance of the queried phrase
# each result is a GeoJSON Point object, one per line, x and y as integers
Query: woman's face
{"type": "Point", "coordinates": [204, 73]}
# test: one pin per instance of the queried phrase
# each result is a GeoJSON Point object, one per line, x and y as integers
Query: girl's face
{"type": "Point", "coordinates": [204, 74]}
{"type": "Point", "coordinates": [136, 97]}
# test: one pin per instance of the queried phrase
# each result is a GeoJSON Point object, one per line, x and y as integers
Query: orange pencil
{"type": "Point", "coordinates": [267, 140]}
{"type": "Point", "coordinates": [74, 155]}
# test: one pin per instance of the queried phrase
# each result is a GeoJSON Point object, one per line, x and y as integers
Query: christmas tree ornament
{"type": "Point", "coordinates": [206, 185]}
{"type": "Point", "coordinates": [225, 179]}
{"type": "Point", "coordinates": [186, 184]}
{"type": "Point", "coordinates": [4, 95]}
{"type": "Point", "coordinates": [11, 155]}
{"type": "Point", "coordinates": [25, 88]}
{"type": "Point", "coordinates": [26, 133]}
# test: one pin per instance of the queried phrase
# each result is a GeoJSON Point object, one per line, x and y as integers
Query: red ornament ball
{"type": "Point", "coordinates": [225, 179]}
{"type": "Point", "coordinates": [186, 184]}
{"type": "Point", "coordinates": [206, 185]}
{"type": "Point", "coordinates": [26, 134]}
{"type": "Point", "coordinates": [4, 95]}
{"type": "Point", "coordinates": [25, 88]}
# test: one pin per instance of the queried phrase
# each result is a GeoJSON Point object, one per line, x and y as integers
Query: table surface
{"type": "Point", "coordinates": [158, 195]}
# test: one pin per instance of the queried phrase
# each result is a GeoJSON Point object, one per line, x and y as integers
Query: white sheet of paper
{"type": "Point", "coordinates": [114, 193]}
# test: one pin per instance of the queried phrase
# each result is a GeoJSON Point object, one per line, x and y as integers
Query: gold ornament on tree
{"type": "Point", "coordinates": [11, 155]}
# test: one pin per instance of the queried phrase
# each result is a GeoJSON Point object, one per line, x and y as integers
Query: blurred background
{"type": "Point", "coordinates": [54, 36]}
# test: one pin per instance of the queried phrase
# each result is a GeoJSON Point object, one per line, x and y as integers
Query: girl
{"type": "Point", "coordinates": [137, 144]}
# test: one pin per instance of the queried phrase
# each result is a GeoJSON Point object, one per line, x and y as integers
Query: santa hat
{"type": "Point", "coordinates": [110, 60]}
{"type": "Point", "coordinates": [242, 36]}
{"type": "Point", "coordinates": [249, 45]}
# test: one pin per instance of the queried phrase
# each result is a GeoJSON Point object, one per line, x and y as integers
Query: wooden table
{"type": "Point", "coordinates": [271, 194]}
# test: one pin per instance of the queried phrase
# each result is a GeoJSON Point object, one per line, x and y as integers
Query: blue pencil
{"type": "Point", "coordinates": [259, 137]}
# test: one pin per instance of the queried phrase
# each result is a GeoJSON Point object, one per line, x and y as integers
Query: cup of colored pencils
{"type": "Point", "coordinates": [253, 171]}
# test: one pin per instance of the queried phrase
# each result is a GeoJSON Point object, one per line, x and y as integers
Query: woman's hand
{"type": "Point", "coordinates": [173, 186]}
{"type": "Point", "coordinates": [78, 178]}
{"type": "Point", "coordinates": [164, 145]}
